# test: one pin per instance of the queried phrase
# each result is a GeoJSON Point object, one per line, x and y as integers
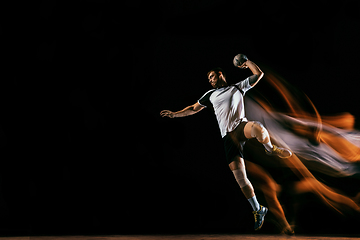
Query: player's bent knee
{"type": "Point", "coordinates": [259, 132]}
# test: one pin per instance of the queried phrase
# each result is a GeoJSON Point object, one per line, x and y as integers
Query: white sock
{"type": "Point", "coordinates": [268, 146]}
{"type": "Point", "coordinates": [254, 203]}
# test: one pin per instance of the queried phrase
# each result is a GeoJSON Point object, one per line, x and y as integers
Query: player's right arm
{"type": "Point", "coordinates": [258, 74]}
{"type": "Point", "coordinates": [190, 110]}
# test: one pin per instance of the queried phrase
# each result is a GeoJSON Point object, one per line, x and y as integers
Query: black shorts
{"type": "Point", "coordinates": [234, 145]}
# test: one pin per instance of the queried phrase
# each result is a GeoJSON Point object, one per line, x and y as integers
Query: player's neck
{"type": "Point", "coordinates": [222, 84]}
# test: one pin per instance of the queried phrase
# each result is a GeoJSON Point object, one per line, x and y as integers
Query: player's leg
{"type": "Point", "coordinates": [258, 131]}
{"type": "Point", "coordinates": [237, 166]}
{"type": "Point", "coordinates": [262, 180]}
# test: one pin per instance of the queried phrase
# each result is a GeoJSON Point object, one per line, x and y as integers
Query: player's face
{"type": "Point", "coordinates": [213, 79]}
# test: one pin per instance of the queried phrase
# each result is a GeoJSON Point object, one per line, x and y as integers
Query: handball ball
{"type": "Point", "coordinates": [239, 60]}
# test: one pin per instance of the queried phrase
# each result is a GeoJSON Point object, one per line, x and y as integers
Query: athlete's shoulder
{"type": "Point", "coordinates": [205, 99]}
{"type": "Point", "coordinates": [244, 85]}
{"type": "Point", "coordinates": [208, 93]}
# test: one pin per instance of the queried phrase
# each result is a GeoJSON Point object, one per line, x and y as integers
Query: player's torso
{"type": "Point", "coordinates": [226, 100]}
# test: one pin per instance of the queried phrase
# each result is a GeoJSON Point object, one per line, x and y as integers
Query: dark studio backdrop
{"type": "Point", "coordinates": [83, 147]}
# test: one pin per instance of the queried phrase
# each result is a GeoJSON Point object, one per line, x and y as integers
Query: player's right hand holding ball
{"type": "Point", "coordinates": [240, 61]}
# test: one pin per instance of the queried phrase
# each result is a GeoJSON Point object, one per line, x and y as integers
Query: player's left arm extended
{"type": "Point", "coordinates": [258, 74]}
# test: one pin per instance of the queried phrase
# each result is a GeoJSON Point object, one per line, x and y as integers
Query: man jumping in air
{"type": "Point", "coordinates": [227, 102]}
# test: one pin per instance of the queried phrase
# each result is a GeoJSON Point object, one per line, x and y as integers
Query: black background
{"type": "Point", "coordinates": [83, 148]}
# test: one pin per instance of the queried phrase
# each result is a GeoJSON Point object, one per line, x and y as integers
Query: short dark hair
{"type": "Point", "coordinates": [216, 70]}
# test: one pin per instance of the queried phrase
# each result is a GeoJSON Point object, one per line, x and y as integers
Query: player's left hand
{"type": "Point", "coordinates": [167, 113]}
